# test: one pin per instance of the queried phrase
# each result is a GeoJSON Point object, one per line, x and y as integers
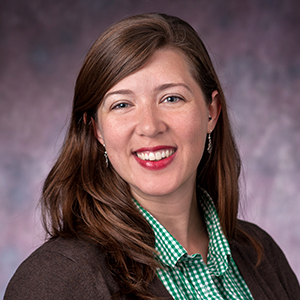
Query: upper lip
{"type": "Point", "coordinates": [153, 149]}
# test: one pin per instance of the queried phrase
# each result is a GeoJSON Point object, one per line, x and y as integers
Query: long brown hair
{"type": "Point", "coordinates": [83, 198]}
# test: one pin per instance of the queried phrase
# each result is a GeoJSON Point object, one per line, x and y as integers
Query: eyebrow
{"type": "Point", "coordinates": [157, 89]}
{"type": "Point", "coordinates": [118, 92]}
{"type": "Point", "coordinates": [170, 85]}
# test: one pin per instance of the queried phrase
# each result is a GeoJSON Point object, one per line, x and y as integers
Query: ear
{"type": "Point", "coordinates": [214, 110]}
{"type": "Point", "coordinates": [97, 132]}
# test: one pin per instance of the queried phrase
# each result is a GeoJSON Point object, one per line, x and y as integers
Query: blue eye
{"type": "Point", "coordinates": [172, 99]}
{"type": "Point", "coordinates": [120, 105]}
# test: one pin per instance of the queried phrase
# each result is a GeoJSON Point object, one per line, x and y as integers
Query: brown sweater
{"type": "Point", "coordinates": [73, 269]}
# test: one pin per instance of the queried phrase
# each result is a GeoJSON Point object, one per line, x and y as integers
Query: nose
{"type": "Point", "coordinates": [150, 122]}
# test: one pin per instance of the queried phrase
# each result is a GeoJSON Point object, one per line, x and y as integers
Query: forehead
{"type": "Point", "coordinates": [164, 66]}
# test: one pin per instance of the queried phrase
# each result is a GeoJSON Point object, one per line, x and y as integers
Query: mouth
{"type": "Point", "coordinates": [155, 155]}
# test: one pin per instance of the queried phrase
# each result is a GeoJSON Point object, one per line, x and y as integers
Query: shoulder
{"type": "Point", "coordinates": [68, 253]}
{"type": "Point", "coordinates": [273, 276]}
{"type": "Point", "coordinates": [271, 250]}
{"type": "Point", "coordinates": [256, 232]}
{"type": "Point", "coordinates": [72, 249]}
{"type": "Point", "coordinates": [70, 268]}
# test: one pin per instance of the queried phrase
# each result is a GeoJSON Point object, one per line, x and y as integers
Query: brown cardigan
{"type": "Point", "coordinates": [74, 269]}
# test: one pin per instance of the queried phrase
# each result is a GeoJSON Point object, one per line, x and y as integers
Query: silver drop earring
{"type": "Point", "coordinates": [106, 156]}
{"type": "Point", "coordinates": [209, 146]}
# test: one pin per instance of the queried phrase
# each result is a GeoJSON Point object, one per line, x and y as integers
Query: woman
{"type": "Point", "coordinates": [142, 202]}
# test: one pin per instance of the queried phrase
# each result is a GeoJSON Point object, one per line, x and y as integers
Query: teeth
{"type": "Point", "coordinates": [151, 156]}
{"type": "Point", "coordinates": [155, 156]}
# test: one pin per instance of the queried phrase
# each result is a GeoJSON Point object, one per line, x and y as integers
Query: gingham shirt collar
{"type": "Point", "coordinates": [170, 250]}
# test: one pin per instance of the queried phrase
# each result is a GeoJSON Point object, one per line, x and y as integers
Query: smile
{"type": "Point", "coordinates": [155, 155]}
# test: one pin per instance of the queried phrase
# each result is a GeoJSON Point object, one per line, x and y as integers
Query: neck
{"type": "Point", "coordinates": [180, 215]}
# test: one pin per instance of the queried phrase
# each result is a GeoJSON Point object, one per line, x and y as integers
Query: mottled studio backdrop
{"type": "Point", "coordinates": [255, 47]}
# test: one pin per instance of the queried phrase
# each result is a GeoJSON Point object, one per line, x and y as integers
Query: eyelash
{"type": "Point", "coordinates": [118, 106]}
{"type": "Point", "coordinates": [167, 99]}
{"type": "Point", "coordinates": [176, 97]}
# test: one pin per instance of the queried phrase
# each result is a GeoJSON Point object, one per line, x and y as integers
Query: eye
{"type": "Point", "coordinates": [172, 99]}
{"type": "Point", "coordinates": [120, 105]}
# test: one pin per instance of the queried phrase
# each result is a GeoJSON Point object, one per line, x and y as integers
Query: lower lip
{"type": "Point", "coordinates": [155, 165]}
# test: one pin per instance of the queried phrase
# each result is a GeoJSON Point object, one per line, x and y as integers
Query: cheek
{"type": "Point", "coordinates": [193, 128]}
{"type": "Point", "coordinates": [116, 139]}
{"type": "Point", "coordinates": [111, 131]}
{"type": "Point", "coordinates": [194, 138]}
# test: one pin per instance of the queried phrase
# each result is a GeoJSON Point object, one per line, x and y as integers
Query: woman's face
{"type": "Point", "coordinates": [154, 124]}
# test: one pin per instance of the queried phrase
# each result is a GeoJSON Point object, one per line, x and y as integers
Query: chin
{"type": "Point", "coordinates": [155, 191]}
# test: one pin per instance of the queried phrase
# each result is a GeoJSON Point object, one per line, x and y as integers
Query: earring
{"type": "Point", "coordinates": [209, 118]}
{"type": "Point", "coordinates": [209, 146]}
{"type": "Point", "coordinates": [106, 156]}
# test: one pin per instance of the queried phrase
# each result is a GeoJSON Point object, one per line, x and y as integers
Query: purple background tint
{"type": "Point", "coordinates": [256, 50]}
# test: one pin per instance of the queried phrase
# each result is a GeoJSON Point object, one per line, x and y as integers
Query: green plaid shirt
{"type": "Point", "coordinates": [187, 276]}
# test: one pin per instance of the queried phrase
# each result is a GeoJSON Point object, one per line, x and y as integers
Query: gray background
{"type": "Point", "coordinates": [255, 47]}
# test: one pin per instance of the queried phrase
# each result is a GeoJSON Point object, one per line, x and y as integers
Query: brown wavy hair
{"type": "Point", "coordinates": [85, 199]}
